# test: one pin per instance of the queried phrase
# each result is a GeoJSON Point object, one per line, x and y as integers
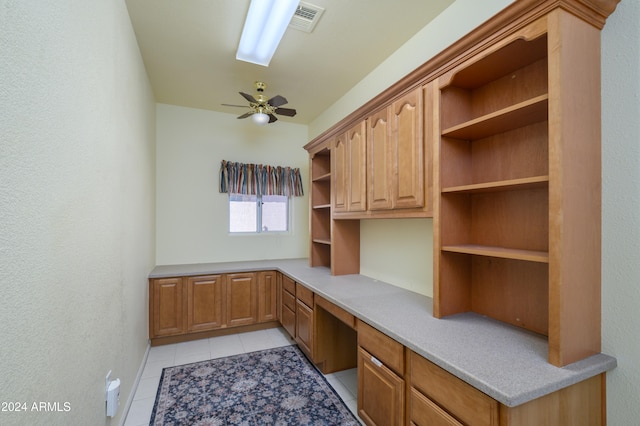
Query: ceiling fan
{"type": "Point", "coordinates": [263, 109]}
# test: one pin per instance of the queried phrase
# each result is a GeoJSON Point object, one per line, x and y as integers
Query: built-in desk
{"type": "Point", "coordinates": [504, 362]}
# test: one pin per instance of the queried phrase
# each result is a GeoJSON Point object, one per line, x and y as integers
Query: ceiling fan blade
{"type": "Point", "coordinates": [246, 114]}
{"type": "Point", "coordinates": [277, 100]}
{"type": "Point", "coordinates": [248, 97]}
{"type": "Point", "coordinates": [239, 106]}
{"type": "Point", "coordinates": [289, 112]}
{"type": "Point", "coordinates": [272, 118]}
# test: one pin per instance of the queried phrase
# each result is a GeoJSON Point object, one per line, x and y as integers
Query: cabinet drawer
{"type": "Point", "coordinates": [289, 284]}
{"type": "Point", "coordinates": [424, 412]}
{"type": "Point", "coordinates": [461, 400]}
{"type": "Point", "coordinates": [336, 311]}
{"type": "Point", "coordinates": [304, 294]}
{"type": "Point", "coordinates": [381, 346]}
{"type": "Point", "coordinates": [289, 300]}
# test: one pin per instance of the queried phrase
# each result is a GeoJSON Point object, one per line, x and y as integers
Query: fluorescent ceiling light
{"type": "Point", "coordinates": [265, 25]}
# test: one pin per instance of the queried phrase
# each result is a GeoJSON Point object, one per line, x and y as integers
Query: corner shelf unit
{"type": "Point", "coordinates": [335, 244]}
{"type": "Point", "coordinates": [518, 200]}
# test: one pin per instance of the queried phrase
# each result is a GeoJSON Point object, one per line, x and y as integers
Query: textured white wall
{"type": "Point", "coordinates": [621, 210]}
{"type": "Point", "coordinates": [192, 216]}
{"type": "Point", "coordinates": [76, 207]}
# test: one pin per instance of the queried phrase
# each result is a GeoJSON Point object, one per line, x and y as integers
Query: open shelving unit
{"type": "Point", "coordinates": [335, 244]}
{"type": "Point", "coordinates": [512, 224]}
{"type": "Point", "coordinates": [321, 208]}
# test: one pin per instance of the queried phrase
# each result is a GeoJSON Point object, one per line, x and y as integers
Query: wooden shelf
{"type": "Point", "coordinates": [503, 185]}
{"type": "Point", "coordinates": [324, 177]}
{"type": "Point", "coordinates": [500, 252]}
{"type": "Point", "coordinates": [322, 241]}
{"type": "Point", "coordinates": [521, 114]}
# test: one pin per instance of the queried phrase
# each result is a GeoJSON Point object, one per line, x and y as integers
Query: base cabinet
{"type": "Point", "coordinates": [180, 306]}
{"type": "Point", "coordinates": [204, 302]}
{"type": "Point", "coordinates": [381, 387]}
{"type": "Point", "coordinates": [438, 397]}
{"type": "Point", "coordinates": [267, 295]}
{"type": "Point", "coordinates": [166, 307]}
{"type": "Point", "coordinates": [288, 305]}
{"type": "Point", "coordinates": [380, 392]}
{"type": "Point", "coordinates": [304, 320]}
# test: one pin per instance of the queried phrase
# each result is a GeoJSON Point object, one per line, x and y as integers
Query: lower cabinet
{"type": "Point", "coordinates": [381, 387]}
{"type": "Point", "coordinates": [267, 296]}
{"type": "Point", "coordinates": [242, 299]}
{"type": "Point", "coordinates": [439, 398]}
{"type": "Point", "coordinates": [183, 305]}
{"type": "Point", "coordinates": [288, 305]}
{"type": "Point", "coordinates": [380, 392]}
{"type": "Point", "coordinates": [204, 302]}
{"type": "Point", "coordinates": [304, 320]}
{"type": "Point", "coordinates": [166, 307]}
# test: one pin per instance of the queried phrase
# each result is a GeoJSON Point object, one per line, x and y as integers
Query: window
{"type": "Point", "coordinates": [258, 213]}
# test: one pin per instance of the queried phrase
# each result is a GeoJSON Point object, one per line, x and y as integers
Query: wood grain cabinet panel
{"type": "Point", "coordinates": [380, 168]}
{"type": "Point", "coordinates": [267, 296]}
{"type": "Point", "coordinates": [167, 307]}
{"type": "Point", "coordinates": [304, 328]}
{"type": "Point", "coordinates": [408, 151]}
{"type": "Point", "coordinates": [204, 302]}
{"type": "Point", "coordinates": [457, 398]}
{"type": "Point", "coordinates": [380, 392]}
{"type": "Point", "coordinates": [242, 299]}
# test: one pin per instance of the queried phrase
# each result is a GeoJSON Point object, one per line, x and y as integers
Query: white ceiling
{"type": "Point", "coordinates": [189, 49]}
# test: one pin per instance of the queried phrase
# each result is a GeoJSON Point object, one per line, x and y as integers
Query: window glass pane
{"type": "Point", "coordinates": [275, 213]}
{"type": "Point", "coordinates": [243, 213]}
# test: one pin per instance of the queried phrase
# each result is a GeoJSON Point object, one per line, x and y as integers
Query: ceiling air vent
{"type": "Point", "coordinates": [306, 17]}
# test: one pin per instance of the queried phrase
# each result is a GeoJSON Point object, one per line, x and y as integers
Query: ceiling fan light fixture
{"type": "Point", "coordinates": [260, 118]}
{"type": "Point", "coordinates": [263, 29]}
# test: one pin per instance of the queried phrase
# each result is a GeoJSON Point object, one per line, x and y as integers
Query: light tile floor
{"type": "Point", "coordinates": [345, 382]}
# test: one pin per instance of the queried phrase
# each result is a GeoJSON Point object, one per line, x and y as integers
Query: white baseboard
{"type": "Point", "coordinates": [134, 387]}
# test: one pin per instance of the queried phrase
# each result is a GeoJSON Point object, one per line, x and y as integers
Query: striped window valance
{"type": "Point", "coordinates": [258, 179]}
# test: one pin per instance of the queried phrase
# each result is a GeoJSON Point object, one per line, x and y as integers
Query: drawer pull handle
{"type": "Point", "coordinates": [376, 361]}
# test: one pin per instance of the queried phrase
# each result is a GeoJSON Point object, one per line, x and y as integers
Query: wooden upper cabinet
{"type": "Point", "coordinates": [380, 166]}
{"type": "Point", "coordinates": [339, 173]}
{"type": "Point", "coordinates": [349, 161]}
{"type": "Point", "coordinates": [357, 172]}
{"type": "Point", "coordinates": [408, 151]}
{"type": "Point", "coordinates": [397, 158]}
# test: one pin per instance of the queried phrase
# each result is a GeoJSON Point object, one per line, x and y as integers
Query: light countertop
{"type": "Point", "coordinates": [505, 362]}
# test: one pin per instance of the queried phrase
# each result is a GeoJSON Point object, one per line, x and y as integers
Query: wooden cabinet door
{"type": "Point", "coordinates": [380, 392]}
{"type": "Point", "coordinates": [408, 150]}
{"type": "Point", "coordinates": [167, 299]}
{"type": "Point", "coordinates": [267, 291]}
{"type": "Point", "coordinates": [288, 320]}
{"type": "Point", "coordinates": [340, 163]}
{"type": "Point", "coordinates": [304, 328]}
{"type": "Point", "coordinates": [379, 162]}
{"type": "Point", "coordinates": [356, 171]}
{"type": "Point", "coordinates": [204, 302]}
{"type": "Point", "coordinates": [242, 299]}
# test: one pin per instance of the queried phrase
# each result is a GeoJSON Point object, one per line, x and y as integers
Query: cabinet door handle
{"type": "Point", "coordinates": [376, 361]}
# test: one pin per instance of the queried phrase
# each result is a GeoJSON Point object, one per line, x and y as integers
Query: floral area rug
{"type": "Point", "coordinates": [272, 387]}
